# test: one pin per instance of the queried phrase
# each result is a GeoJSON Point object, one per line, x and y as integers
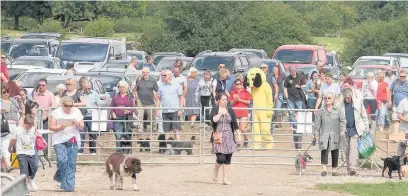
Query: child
{"type": "Point", "coordinates": [24, 139]}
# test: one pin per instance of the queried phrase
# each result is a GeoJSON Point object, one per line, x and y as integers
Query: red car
{"type": "Point", "coordinates": [359, 74]}
{"type": "Point", "coordinates": [300, 55]}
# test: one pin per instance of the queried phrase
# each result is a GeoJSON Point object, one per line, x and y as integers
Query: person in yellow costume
{"type": "Point", "coordinates": [261, 93]}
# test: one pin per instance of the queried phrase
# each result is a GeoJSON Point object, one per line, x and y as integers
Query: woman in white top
{"type": "Point", "coordinates": [65, 123]}
{"type": "Point", "coordinates": [370, 93]}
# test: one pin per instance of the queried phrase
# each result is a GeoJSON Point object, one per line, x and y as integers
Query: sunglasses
{"type": "Point", "coordinates": [164, 75]}
{"type": "Point", "coordinates": [263, 67]}
{"type": "Point", "coordinates": [403, 76]}
{"type": "Point", "coordinates": [68, 106]}
{"type": "Point", "coordinates": [327, 98]}
{"type": "Point", "coordinates": [5, 92]}
{"type": "Point", "coordinates": [3, 57]}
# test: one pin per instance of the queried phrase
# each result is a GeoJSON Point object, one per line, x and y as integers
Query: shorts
{"type": "Point", "coordinates": [174, 123]}
{"type": "Point", "coordinates": [5, 141]}
{"type": "Point", "coordinates": [27, 164]}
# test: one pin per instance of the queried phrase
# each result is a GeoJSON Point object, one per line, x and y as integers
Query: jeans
{"type": "Point", "coordinates": [92, 136]}
{"type": "Point", "coordinates": [122, 130]}
{"type": "Point", "coordinates": [66, 165]}
{"type": "Point", "coordinates": [36, 159]}
{"type": "Point", "coordinates": [297, 138]}
{"type": "Point", "coordinates": [312, 104]}
{"type": "Point", "coordinates": [382, 114]}
{"type": "Point", "coordinates": [279, 103]}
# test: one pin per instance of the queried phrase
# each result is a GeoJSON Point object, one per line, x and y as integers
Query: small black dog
{"type": "Point", "coordinates": [162, 145]}
{"type": "Point", "coordinates": [392, 163]}
{"type": "Point", "coordinates": [179, 146]}
{"type": "Point", "coordinates": [144, 144]}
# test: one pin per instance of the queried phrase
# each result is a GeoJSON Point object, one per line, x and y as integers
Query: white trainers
{"type": "Point", "coordinates": [33, 185]}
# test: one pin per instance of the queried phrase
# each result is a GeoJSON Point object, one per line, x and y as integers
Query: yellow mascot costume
{"type": "Point", "coordinates": [262, 99]}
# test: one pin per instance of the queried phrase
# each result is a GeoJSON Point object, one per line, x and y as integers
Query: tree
{"type": "Point", "coordinates": [41, 10]}
{"type": "Point", "coordinates": [16, 9]}
{"type": "Point", "coordinates": [73, 11]}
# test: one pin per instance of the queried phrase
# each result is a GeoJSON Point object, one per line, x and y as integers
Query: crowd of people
{"type": "Point", "coordinates": [342, 112]}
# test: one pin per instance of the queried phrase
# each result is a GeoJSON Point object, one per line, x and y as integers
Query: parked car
{"type": "Point", "coordinates": [97, 85]}
{"type": "Point", "coordinates": [234, 61]}
{"type": "Point", "coordinates": [333, 59]}
{"type": "Point", "coordinates": [29, 78]}
{"type": "Point", "coordinates": [33, 47]}
{"type": "Point", "coordinates": [359, 73]}
{"type": "Point", "coordinates": [116, 64]}
{"type": "Point", "coordinates": [109, 79]}
{"type": "Point", "coordinates": [37, 61]}
{"type": "Point", "coordinates": [273, 63]}
{"type": "Point", "coordinates": [158, 56]}
{"type": "Point", "coordinates": [403, 58]}
{"type": "Point", "coordinates": [259, 52]}
{"type": "Point", "coordinates": [6, 43]}
{"type": "Point", "coordinates": [45, 35]}
{"type": "Point", "coordinates": [132, 75]}
{"type": "Point", "coordinates": [168, 62]}
{"type": "Point", "coordinates": [141, 55]}
{"type": "Point", "coordinates": [377, 60]}
{"type": "Point", "coordinates": [88, 53]}
{"type": "Point", "coordinates": [299, 55]}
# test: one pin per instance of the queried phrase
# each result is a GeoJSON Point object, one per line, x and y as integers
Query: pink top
{"type": "Point", "coordinates": [45, 100]}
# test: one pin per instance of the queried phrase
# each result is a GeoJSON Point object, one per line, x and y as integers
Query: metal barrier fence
{"type": "Point", "coordinates": [16, 187]}
{"type": "Point", "coordinates": [283, 152]}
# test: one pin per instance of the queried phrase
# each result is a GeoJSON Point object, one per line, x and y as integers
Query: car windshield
{"type": "Point", "coordinates": [138, 55]}
{"type": "Point", "coordinates": [168, 63]}
{"type": "Point", "coordinates": [108, 81]}
{"type": "Point", "coordinates": [5, 46]}
{"type": "Point", "coordinates": [36, 62]}
{"type": "Point", "coordinates": [258, 53]}
{"type": "Point", "coordinates": [373, 62]}
{"type": "Point", "coordinates": [295, 56]}
{"type": "Point", "coordinates": [306, 70]}
{"type": "Point", "coordinates": [29, 80]}
{"type": "Point", "coordinates": [115, 65]}
{"type": "Point", "coordinates": [211, 62]}
{"type": "Point", "coordinates": [271, 65]}
{"type": "Point", "coordinates": [13, 72]}
{"type": "Point", "coordinates": [85, 52]}
{"type": "Point", "coordinates": [29, 49]}
{"type": "Point", "coordinates": [157, 59]}
{"type": "Point", "coordinates": [361, 73]}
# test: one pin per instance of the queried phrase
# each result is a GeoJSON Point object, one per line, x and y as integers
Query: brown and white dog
{"type": "Point", "coordinates": [120, 165]}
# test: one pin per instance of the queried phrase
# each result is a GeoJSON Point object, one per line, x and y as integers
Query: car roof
{"type": "Point", "coordinates": [271, 60]}
{"type": "Point", "coordinates": [219, 54]}
{"type": "Point", "coordinates": [118, 61]}
{"type": "Point", "coordinates": [102, 73]}
{"type": "Point", "coordinates": [396, 54]}
{"type": "Point", "coordinates": [46, 70]}
{"type": "Point", "coordinates": [299, 47]}
{"type": "Point", "coordinates": [168, 53]}
{"type": "Point", "coordinates": [178, 57]}
{"type": "Point", "coordinates": [45, 58]}
{"type": "Point", "coordinates": [109, 69]}
{"type": "Point", "coordinates": [33, 40]}
{"type": "Point", "coordinates": [246, 49]}
{"type": "Point", "coordinates": [64, 77]}
{"type": "Point", "coordinates": [136, 51]}
{"type": "Point", "coordinates": [42, 35]}
{"type": "Point", "coordinates": [89, 40]}
{"type": "Point", "coordinates": [25, 67]}
{"type": "Point", "coordinates": [377, 57]}
{"type": "Point", "coordinates": [376, 66]}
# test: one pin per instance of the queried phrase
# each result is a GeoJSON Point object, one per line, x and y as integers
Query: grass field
{"type": "Point", "coordinates": [331, 43]}
{"type": "Point", "coordinates": [388, 189]}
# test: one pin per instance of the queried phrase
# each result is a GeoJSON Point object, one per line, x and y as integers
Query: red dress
{"type": "Point", "coordinates": [244, 95]}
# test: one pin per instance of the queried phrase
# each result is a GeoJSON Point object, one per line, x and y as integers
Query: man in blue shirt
{"type": "Point", "coordinates": [397, 91]}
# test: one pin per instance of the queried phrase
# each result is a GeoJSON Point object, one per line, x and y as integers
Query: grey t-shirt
{"type": "Point", "coordinates": [403, 109]}
{"type": "Point", "coordinates": [145, 90]}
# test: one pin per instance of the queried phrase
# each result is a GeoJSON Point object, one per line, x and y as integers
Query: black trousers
{"type": "Point", "coordinates": [92, 136]}
{"type": "Point", "coordinates": [325, 157]}
{"type": "Point", "coordinates": [205, 102]}
{"type": "Point", "coordinates": [224, 158]}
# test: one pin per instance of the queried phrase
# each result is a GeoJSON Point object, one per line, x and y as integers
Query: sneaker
{"type": "Point", "coordinates": [33, 185]}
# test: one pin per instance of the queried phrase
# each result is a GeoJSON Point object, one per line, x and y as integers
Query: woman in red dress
{"type": "Point", "coordinates": [240, 99]}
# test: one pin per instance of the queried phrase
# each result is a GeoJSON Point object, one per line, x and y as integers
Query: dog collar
{"type": "Point", "coordinates": [124, 161]}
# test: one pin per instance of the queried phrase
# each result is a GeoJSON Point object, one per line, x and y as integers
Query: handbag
{"type": "Point", "coordinates": [40, 143]}
{"type": "Point", "coordinates": [365, 146]}
{"type": "Point", "coordinates": [5, 128]}
{"type": "Point", "coordinates": [217, 137]}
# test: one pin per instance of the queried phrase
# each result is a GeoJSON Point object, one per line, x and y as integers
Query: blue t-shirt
{"type": "Point", "coordinates": [399, 90]}
{"type": "Point", "coordinates": [230, 82]}
{"type": "Point", "coordinates": [309, 86]}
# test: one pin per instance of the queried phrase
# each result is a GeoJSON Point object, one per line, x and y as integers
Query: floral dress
{"type": "Point", "coordinates": [192, 98]}
{"type": "Point", "coordinates": [228, 145]}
